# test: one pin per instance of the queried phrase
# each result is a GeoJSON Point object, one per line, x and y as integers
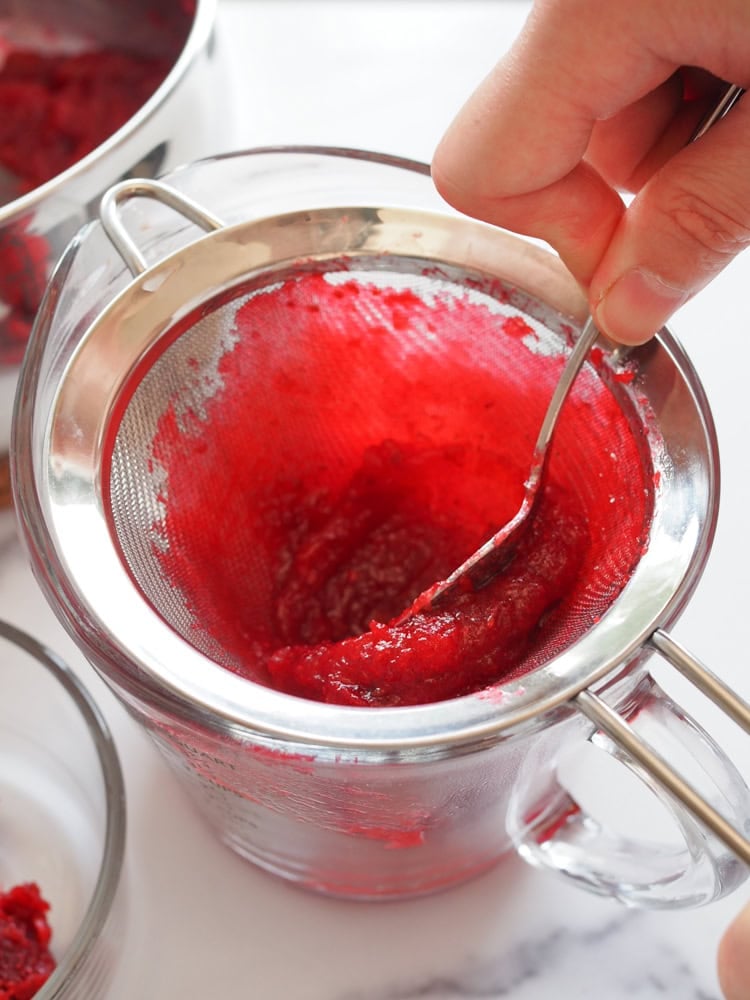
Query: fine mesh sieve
{"type": "Point", "coordinates": [284, 390]}
{"type": "Point", "coordinates": [155, 368]}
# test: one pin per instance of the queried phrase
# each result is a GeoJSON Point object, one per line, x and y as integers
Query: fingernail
{"type": "Point", "coordinates": [636, 306]}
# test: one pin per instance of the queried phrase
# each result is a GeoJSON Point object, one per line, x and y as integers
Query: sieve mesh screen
{"type": "Point", "coordinates": [312, 452]}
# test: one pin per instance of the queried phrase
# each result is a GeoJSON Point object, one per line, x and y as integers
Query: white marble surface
{"type": "Point", "coordinates": [203, 924]}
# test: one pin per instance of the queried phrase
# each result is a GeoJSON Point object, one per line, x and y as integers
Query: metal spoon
{"type": "Point", "coordinates": [489, 559]}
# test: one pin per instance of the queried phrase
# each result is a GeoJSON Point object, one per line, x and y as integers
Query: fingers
{"type": "Point", "coordinates": [629, 147]}
{"type": "Point", "coordinates": [569, 116]}
{"type": "Point", "coordinates": [514, 154]}
{"type": "Point", "coordinates": [578, 215]}
{"type": "Point", "coordinates": [734, 958]}
{"type": "Point", "coordinates": [529, 122]}
{"type": "Point", "coordinates": [686, 224]}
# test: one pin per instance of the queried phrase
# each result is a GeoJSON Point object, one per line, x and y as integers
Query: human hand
{"type": "Point", "coordinates": [734, 958]}
{"type": "Point", "coordinates": [592, 100]}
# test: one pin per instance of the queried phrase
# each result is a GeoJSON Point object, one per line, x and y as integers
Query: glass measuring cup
{"type": "Point", "coordinates": [361, 802]}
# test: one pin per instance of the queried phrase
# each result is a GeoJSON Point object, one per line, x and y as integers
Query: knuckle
{"type": "Point", "coordinates": [718, 232]}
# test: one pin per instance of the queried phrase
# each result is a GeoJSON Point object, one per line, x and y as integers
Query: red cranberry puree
{"type": "Point", "coordinates": [25, 960]}
{"type": "Point", "coordinates": [363, 441]}
{"type": "Point", "coordinates": [56, 108]}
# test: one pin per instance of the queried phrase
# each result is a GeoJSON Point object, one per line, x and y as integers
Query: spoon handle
{"type": "Point", "coordinates": [586, 340]}
{"type": "Point", "coordinates": [576, 358]}
{"type": "Point", "coordinates": [728, 99]}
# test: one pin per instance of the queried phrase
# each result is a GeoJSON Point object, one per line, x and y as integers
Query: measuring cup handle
{"type": "Point", "coordinates": [707, 798]}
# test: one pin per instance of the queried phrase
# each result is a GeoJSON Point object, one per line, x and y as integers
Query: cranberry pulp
{"type": "Point", "coordinates": [57, 105]}
{"type": "Point", "coordinates": [25, 959]}
{"type": "Point", "coordinates": [357, 443]}
{"type": "Point", "coordinates": [54, 109]}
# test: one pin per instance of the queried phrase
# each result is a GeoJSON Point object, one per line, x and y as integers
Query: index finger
{"type": "Point", "coordinates": [514, 155]}
{"type": "Point", "coordinates": [581, 61]}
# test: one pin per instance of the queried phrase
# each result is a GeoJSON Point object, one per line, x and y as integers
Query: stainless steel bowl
{"type": "Point", "coordinates": [176, 124]}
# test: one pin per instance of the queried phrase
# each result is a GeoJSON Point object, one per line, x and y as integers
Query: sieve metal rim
{"type": "Point", "coordinates": [109, 616]}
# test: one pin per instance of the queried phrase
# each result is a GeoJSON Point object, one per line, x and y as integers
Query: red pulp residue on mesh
{"type": "Point", "coordinates": [363, 442]}
{"type": "Point", "coordinates": [25, 960]}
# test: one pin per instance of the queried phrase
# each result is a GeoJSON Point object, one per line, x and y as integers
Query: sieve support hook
{"type": "Point", "coordinates": [137, 187]}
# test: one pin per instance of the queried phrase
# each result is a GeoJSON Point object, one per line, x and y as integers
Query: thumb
{"type": "Point", "coordinates": [684, 226]}
{"type": "Point", "coordinates": [734, 958]}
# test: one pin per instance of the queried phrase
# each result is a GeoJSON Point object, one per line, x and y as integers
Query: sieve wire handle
{"type": "Point", "coordinates": [136, 187]}
{"type": "Point", "coordinates": [681, 764]}
{"type": "Point", "coordinates": [706, 681]}
{"type": "Point", "coordinates": [598, 712]}
{"type": "Point", "coordinates": [626, 737]}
